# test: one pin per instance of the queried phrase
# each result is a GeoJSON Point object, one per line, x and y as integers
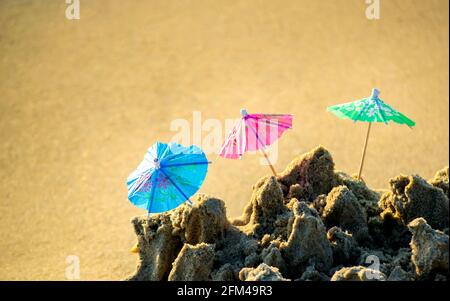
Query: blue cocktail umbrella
{"type": "Point", "coordinates": [167, 177]}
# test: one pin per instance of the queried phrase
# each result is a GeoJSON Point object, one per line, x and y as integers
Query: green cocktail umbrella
{"type": "Point", "coordinates": [370, 109]}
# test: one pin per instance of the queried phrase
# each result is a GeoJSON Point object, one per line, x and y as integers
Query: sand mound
{"type": "Point", "coordinates": [412, 197]}
{"type": "Point", "coordinates": [429, 249]}
{"type": "Point", "coordinates": [307, 244]}
{"type": "Point", "coordinates": [262, 213]}
{"type": "Point", "coordinates": [193, 263]}
{"type": "Point", "coordinates": [158, 247]}
{"type": "Point", "coordinates": [309, 175]}
{"type": "Point", "coordinates": [309, 223]}
{"type": "Point", "coordinates": [262, 273]}
{"type": "Point", "coordinates": [205, 221]}
{"type": "Point", "coordinates": [358, 273]}
{"type": "Point", "coordinates": [344, 210]}
{"type": "Point", "coordinates": [344, 246]}
{"type": "Point", "coordinates": [440, 180]}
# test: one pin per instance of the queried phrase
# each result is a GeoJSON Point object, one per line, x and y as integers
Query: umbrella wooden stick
{"type": "Point", "coordinates": [364, 151]}
{"type": "Point", "coordinates": [262, 148]}
{"type": "Point", "coordinates": [268, 161]}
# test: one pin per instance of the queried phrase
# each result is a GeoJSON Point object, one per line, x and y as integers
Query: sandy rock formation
{"type": "Point", "coordinates": [309, 175]}
{"type": "Point", "coordinates": [225, 273]}
{"type": "Point", "coordinates": [161, 237]}
{"type": "Point", "coordinates": [440, 180]}
{"type": "Point", "coordinates": [238, 249]}
{"type": "Point", "coordinates": [400, 259]}
{"type": "Point", "coordinates": [261, 273]}
{"type": "Point", "coordinates": [388, 232]}
{"type": "Point", "coordinates": [412, 197]}
{"type": "Point", "coordinates": [319, 203]}
{"type": "Point", "coordinates": [358, 187]}
{"type": "Point", "coordinates": [429, 250]}
{"type": "Point", "coordinates": [311, 274]}
{"type": "Point", "coordinates": [205, 221]}
{"type": "Point", "coordinates": [398, 274]}
{"type": "Point", "coordinates": [343, 209]}
{"type": "Point", "coordinates": [272, 257]}
{"type": "Point", "coordinates": [261, 214]}
{"type": "Point", "coordinates": [344, 246]}
{"type": "Point", "coordinates": [308, 224]}
{"type": "Point", "coordinates": [307, 244]}
{"type": "Point", "coordinates": [193, 263]}
{"type": "Point", "coordinates": [358, 273]}
{"type": "Point", "coordinates": [158, 248]}
{"type": "Point", "coordinates": [367, 197]}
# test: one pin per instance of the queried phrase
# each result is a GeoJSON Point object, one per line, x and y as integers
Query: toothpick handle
{"type": "Point", "coordinates": [268, 161]}
{"type": "Point", "coordinates": [364, 152]}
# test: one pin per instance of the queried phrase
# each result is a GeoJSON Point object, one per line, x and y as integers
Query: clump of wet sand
{"type": "Point", "coordinates": [309, 223]}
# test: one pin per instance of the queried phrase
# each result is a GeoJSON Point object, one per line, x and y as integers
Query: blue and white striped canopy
{"type": "Point", "coordinates": [167, 177]}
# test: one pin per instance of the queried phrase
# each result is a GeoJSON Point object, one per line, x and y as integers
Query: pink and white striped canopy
{"type": "Point", "coordinates": [253, 132]}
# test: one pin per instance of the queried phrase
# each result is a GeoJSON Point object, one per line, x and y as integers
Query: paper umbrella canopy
{"type": "Point", "coordinates": [370, 109]}
{"type": "Point", "coordinates": [255, 132]}
{"type": "Point", "coordinates": [167, 177]}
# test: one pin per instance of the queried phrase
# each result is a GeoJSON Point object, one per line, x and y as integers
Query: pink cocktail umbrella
{"type": "Point", "coordinates": [254, 132]}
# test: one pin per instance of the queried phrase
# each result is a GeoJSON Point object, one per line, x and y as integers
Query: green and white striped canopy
{"type": "Point", "coordinates": [370, 109]}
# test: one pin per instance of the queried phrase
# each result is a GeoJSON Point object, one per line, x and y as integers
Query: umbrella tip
{"type": "Point", "coordinates": [375, 93]}
{"type": "Point", "coordinates": [156, 163]}
{"type": "Point", "coordinates": [244, 112]}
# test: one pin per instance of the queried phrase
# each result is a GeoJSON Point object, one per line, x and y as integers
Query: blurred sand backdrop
{"type": "Point", "coordinates": [82, 100]}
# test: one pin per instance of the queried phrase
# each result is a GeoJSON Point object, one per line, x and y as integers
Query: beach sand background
{"type": "Point", "coordinates": [82, 100]}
